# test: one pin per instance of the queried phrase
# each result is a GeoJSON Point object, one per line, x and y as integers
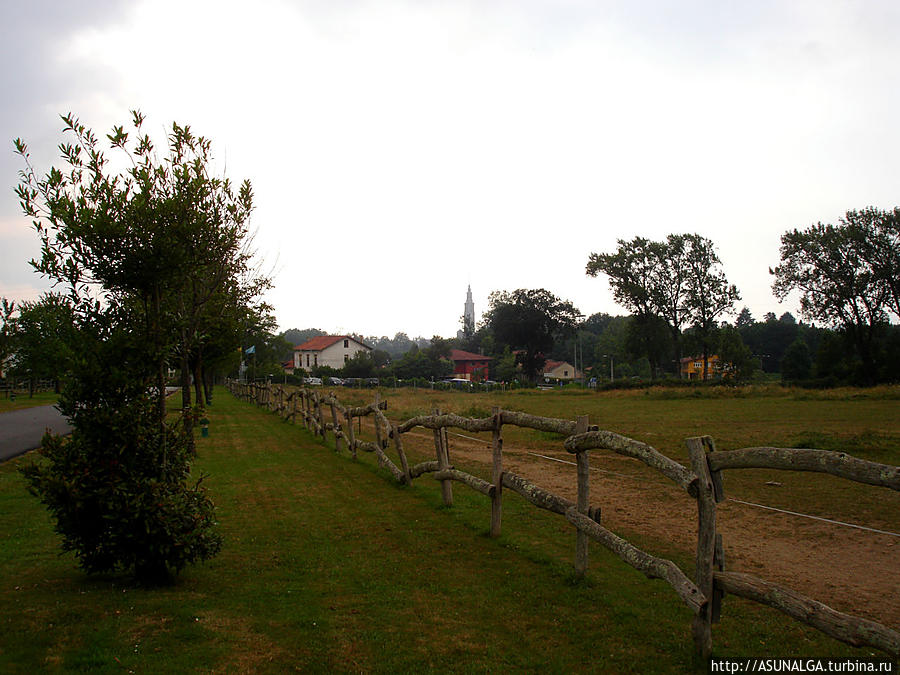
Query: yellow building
{"type": "Point", "coordinates": [692, 367]}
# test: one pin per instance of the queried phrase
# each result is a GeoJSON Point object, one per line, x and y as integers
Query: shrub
{"type": "Point", "coordinates": [120, 489]}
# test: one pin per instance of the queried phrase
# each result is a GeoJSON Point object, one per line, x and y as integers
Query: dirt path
{"type": "Point", "coordinates": [851, 570]}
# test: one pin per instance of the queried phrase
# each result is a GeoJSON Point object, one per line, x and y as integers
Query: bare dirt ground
{"type": "Point", "coordinates": [851, 570]}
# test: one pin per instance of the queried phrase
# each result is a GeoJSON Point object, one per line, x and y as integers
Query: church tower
{"type": "Point", "coordinates": [468, 314]}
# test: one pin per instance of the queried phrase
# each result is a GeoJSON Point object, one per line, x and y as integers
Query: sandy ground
{"type": "Point", "coordinates": [851, 570]}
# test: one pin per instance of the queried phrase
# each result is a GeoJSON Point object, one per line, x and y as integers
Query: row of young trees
{"type": "Point", "coordinates": [154, 273]}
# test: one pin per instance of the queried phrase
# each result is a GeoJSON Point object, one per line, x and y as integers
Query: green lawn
{"type": "Point", "coordinates": [24, 401]}
{"type": "Point", "coordinates": [328, 566]}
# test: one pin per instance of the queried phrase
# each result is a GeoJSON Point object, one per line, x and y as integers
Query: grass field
{"type": "Point", "coordinates": [328, 566]}
{"type": "Point", "coordinates": [24, 401]}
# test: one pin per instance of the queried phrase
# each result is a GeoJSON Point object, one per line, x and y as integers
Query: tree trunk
{"type": "Point", "coordinates": [198, 383]}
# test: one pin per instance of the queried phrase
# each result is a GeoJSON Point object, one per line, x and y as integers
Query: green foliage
{"type": "Point", "coordinates": [733, 351]}
{"type": "Point", "coordinates": [428, 364]}
{"type": "Point", "coordinates": [797, 362]}
{"type": "Point", "coordinates": [678, 281]}
{"type": "Point", "coordinates": [155, 264]}
{"type": "Point", "coordinates": [531, 321]}
{"type": "Point", "coordinates": [7, 326]}
{"type": "Point", "coordinates": [44, 338]}
{"type": "Point", "coordinates": [120, 490]}
{"type": "Point", "coordinates": [847, 276]}
{"type": "Point", "coordinates": [362, 364]}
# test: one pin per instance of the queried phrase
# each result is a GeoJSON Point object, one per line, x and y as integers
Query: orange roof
{"type": "Point", "coordinates": [460, 355]}
{"type": "Point", "coordinates": [321, 342]}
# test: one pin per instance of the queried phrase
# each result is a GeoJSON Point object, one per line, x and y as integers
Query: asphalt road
{"type": "Point", "coordinates": [22, 430]}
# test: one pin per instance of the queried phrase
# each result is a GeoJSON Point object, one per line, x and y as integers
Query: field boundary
{"type": "Point", "coordinates": [702, 481]}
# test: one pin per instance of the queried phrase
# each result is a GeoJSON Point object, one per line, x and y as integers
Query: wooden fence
{"type": "Point", "coordinates": [702, 482]}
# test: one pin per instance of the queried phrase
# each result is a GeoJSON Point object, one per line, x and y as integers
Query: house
{"type": "Point", "coordinates": [328, 350]}
{"type": "Point", "coordinates": [468, 366]}
{"type": "Point", "coordinates": [692, 367]}
{"type": "Point", "coordinates": [560, 370]}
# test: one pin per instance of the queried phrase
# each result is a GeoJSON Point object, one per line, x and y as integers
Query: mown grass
{"type": "Point", "coordinates": [328, 566]}
{"type": "Point", "coordinates": [24, 401]}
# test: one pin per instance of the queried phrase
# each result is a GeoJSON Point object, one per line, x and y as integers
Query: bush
{"type": "Point", "coordinates": [120, 489]}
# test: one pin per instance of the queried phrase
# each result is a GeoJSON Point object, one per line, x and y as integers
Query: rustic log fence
{"type": "Point", "coordinates": [702, 482]}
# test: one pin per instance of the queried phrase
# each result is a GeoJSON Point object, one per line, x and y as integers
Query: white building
{"type": "Point", "coordinates": [328, 350]}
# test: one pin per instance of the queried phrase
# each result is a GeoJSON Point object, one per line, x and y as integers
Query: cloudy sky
{"type": "Point", "coordinates": [401, 150]}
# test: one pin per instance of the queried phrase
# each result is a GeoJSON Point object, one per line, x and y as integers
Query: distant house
{"type": "Point", "coordinates": [468, 366]}
{"type": "Point", "coordinates": [328, 350]}
{"type": "Point", "coordinates": [560, 370]}
{"type": "Point", "coordinates": [692, 367]}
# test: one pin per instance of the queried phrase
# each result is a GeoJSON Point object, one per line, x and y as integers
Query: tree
{"type": "Point", "coordinates": [734, 353]}
{"type": "Point", "coordinates": [7, 330]}
{"type": "Point", "coordinates": [878, 234]}
{"type": "Point", "coordinates": [152, 259]}
{"type": "Point", "coordinates": [677, 280]}
{"type": "Point", "coordinates": [530, 320]}
{"type": "Point", "coordinates": [707, 293]}
{"type": "Point", "coordinates": [45, 339]}
{"type": "Point", "coordinates": [840, 283]}
{"type": "Point", "coordinates": [797, 362]}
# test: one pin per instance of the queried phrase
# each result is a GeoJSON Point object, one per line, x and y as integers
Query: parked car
{"type": "Point", "coordinates": [335, 381]}
{"type": "Point", "coordinates": [316, 381]}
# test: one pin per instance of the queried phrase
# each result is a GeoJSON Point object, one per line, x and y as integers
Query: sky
{"type": "Point", "coordinates": [400, 151]}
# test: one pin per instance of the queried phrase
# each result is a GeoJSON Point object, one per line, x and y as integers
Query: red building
{"type": "Point", "coordinates": [468, 366]}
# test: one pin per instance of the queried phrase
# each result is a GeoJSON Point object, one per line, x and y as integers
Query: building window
{"type": "Point", "coordinates": [346, 358]}
{"type": "Point", "coordinates": [307, 360]}
{"type": "Point", "coordinates": [346, 344]}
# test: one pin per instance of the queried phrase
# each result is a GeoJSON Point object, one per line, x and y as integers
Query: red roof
{"type": "Point", "coordinates": [460, 355]}
{"type": "Point", "coordinates": [321, 342]}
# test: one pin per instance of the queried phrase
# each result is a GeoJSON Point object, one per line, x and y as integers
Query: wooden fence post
{"type": "Point", "coordinates": [706, 544]}
{"type": "Point", "coordinates": [319, 420]}
{"type": "Point", "coordinates": [404, 463]}
{"type": "Point", "coordinates": [336, 427]}
{"type": "Point", "coordinates": [351, 436]}
{"type": "Point", "coordinates": [377, 425]}
{"type": "Point", "coordinates": [584, 499]}
{"type": "Point", "coordinates": [443, 459]}
{"type": "Point", "coordinates": [497, 474]}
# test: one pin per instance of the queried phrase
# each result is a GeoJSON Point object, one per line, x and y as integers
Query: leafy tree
{"type": "Point", "coordinates": [7, 329]}
{"type": "Point", "coordinates": [429, 363]}
{"type": "Point", "coordinates": [744, 319]}
{"type": "Point", "coordinates": [878, 234]}
{"type": "Point", "coordinates": [152, 258]}
{"type": "Point", "coordinates": [505, 368]}
{"type": "Point", "coordinates": [362, 364]}
{"type": "Point", "coordinates": [45, 338]}
{"type": "Point", "coordinates": [530, 321]}
{"type": "Point", "coordinates": [797, 362]}
{"type": "Point", "coordinates": [733, 351]}
{"type": "Point", "coordinates": [677, 280]}
{"type": "Point", "coordinates": [840, 282]}
{"type": "Point", "coordinates": [647, 278]}
{"type": "Point", "coordinates": [707, 293]}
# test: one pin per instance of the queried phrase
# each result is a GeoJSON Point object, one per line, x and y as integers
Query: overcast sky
{"type": "Point", "coordinates": [400, 151]}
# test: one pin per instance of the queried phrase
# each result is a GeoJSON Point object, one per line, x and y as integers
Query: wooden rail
{"type": "Point", "coordinates": [702, 481]}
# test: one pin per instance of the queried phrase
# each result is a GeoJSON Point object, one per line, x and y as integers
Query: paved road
{"type": "Point", "coordinates": [22, 430]}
